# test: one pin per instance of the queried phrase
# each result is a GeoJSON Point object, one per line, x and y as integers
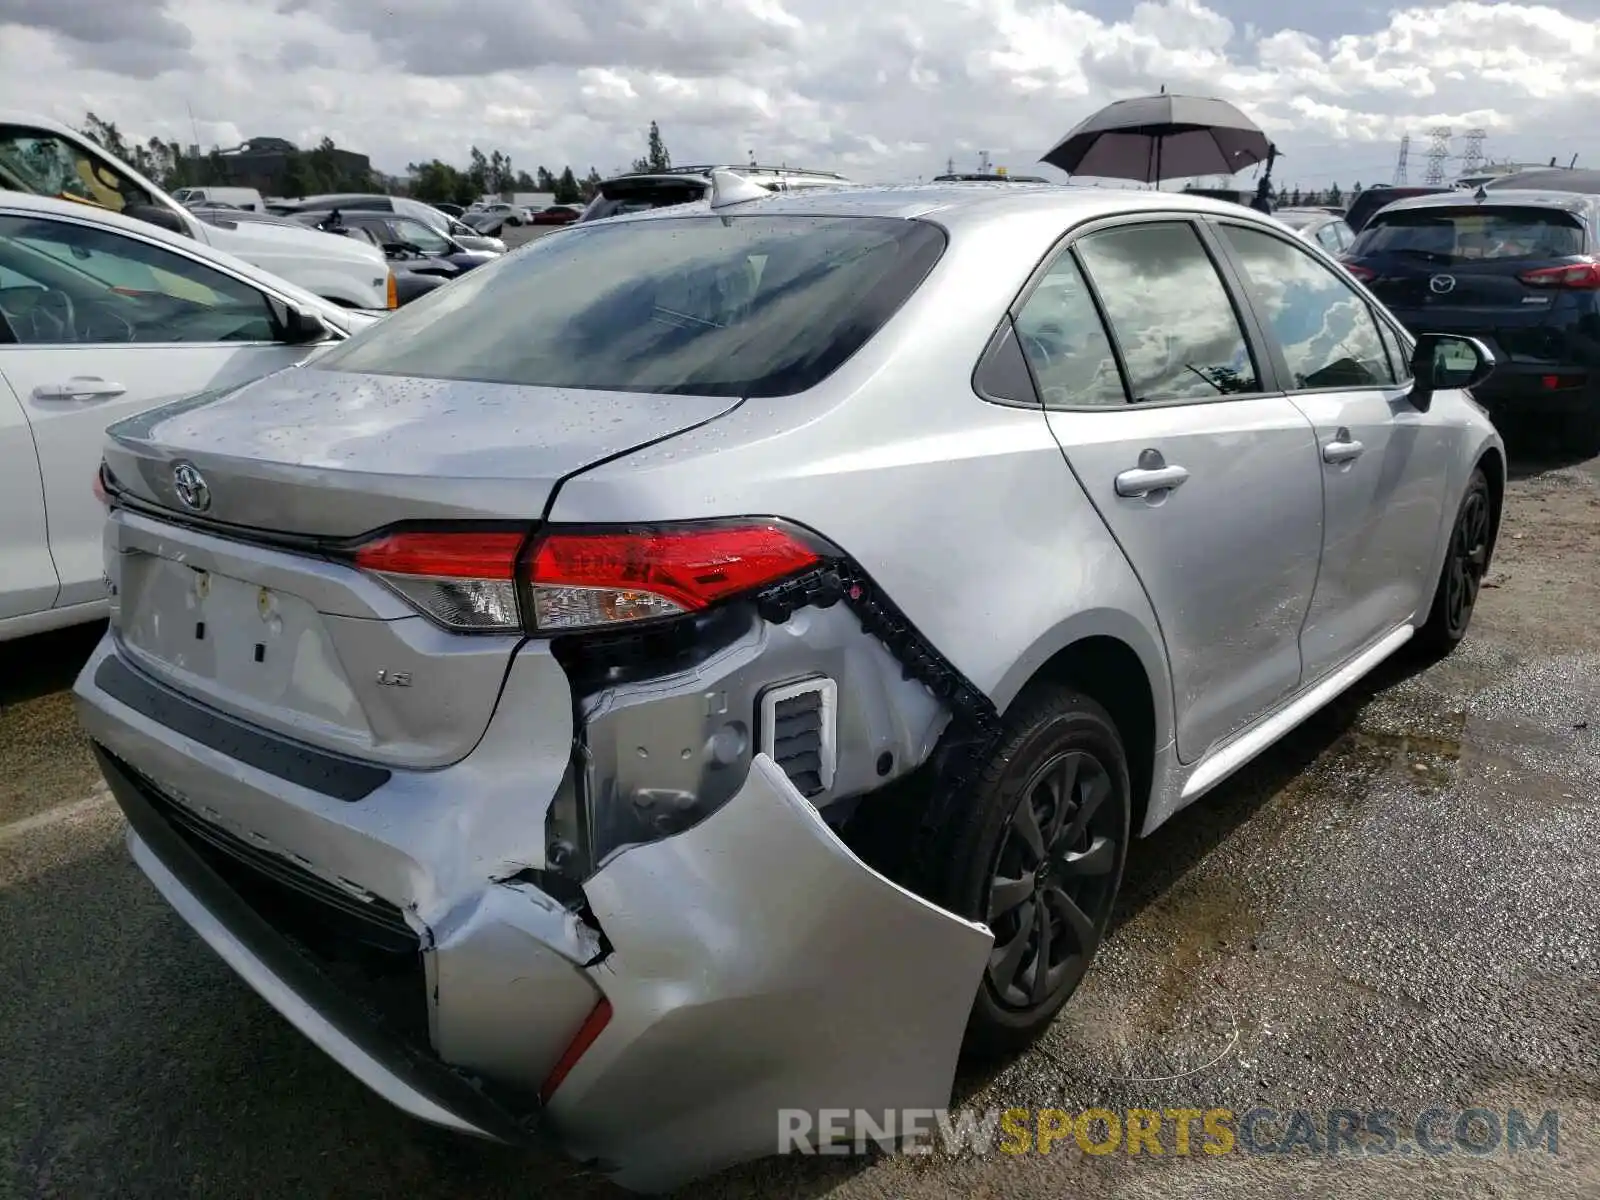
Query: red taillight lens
{"type": "Point", "coordinates": [583, 579]}
{"type": "Point", "coordinates": [1364, 274]}
{"type": "Point", "coordinates": [1578, 277]}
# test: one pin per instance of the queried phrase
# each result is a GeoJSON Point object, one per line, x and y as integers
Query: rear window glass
{"type": "Point", "coordinates": [1457, 235]}
{"type": "Point", "coordinates": [709, 306]}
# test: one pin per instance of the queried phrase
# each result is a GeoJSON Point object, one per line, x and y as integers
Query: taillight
{"type": "Point", "coordinates": [1578, 277]}
{"type": "Point", "coordinates": [582, 579]}
{"type": "Point", "coordinates": [463, 579]}
{"type": "Point", "coordinates": [1364, 274]}
{"type": "Point", "coordinates": [587, 579]}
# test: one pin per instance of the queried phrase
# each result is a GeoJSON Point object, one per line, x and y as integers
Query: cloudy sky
{"type": "Point", "coordinates": [880, 89]}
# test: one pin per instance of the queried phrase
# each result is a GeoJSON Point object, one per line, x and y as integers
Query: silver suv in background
{"type": "Point", "coordinates": [716, 660]}
{"type": "Point", "coordinates": [641, 191]}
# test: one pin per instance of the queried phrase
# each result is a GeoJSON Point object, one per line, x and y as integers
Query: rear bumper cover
{"type": "Point", "coordinates": [754, 963]}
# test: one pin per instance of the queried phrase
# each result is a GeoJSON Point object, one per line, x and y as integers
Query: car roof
{"type": "Point", "coordinates": [1571, 202]}
{"type": "Point", "coordinates": [957, 203]}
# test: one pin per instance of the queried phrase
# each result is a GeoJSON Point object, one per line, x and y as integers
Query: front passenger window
{"type": "Point", "coordinates": [82, 284]}
{"type": "Point", "coordinates": [1328, 335]}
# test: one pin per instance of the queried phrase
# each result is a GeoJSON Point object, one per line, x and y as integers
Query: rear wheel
{"type": "Point", "coordinates": [1038, 856]}
{"type": "Point", "coordinates": [1466, 562]}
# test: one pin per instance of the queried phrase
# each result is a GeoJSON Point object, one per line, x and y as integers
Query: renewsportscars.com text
{"type": "Point", "coordinates": [1170, 1131]}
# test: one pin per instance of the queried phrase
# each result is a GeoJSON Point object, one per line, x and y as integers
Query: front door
{"type": "Point", "coordinates": [27, 576]}
{"type": "Point", "coordinates": [103, 325]}
{"type": "Point", "coordinates": [1210, 486]}
{"type": "Point", "coordinates": [1384, 464]}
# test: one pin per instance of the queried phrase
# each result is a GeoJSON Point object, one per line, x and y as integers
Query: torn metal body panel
{"type": "Point", "coordinates": [817, 693]}
{"type": "Point", "coordinates": [759, 965]}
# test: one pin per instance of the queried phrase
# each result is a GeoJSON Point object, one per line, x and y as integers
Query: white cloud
{"type": "Point", "coordinates": [881, 90]}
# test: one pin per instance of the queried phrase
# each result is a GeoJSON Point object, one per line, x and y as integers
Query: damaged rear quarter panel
{"type": "Point", "coordinates": [759, 965]}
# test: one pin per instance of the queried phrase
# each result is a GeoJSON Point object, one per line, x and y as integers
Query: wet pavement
{"type": "Point", "coordinates": [1396, 909]}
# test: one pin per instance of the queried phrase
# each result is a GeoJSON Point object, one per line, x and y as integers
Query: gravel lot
{"type": "Point", "coordinates": [1398, 909]}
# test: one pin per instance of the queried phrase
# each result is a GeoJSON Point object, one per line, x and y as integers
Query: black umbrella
{"type": "Point", "coordinates": [1161, 137]}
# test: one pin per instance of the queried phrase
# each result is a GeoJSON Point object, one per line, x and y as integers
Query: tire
{"type": "Point", "coordinates": [1466, 562]}
{"type": "Point", "coordinates": [986, 870]}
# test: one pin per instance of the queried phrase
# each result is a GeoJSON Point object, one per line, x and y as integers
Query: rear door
{"type": "Point", "coordinates": [1466, 268]}
{"type": "Point", "coordinates": [1208, 480]}
{"type": "Point", "coordinates": [1384, 465]}
{"type": "Point", "coordinates": [104, 326]}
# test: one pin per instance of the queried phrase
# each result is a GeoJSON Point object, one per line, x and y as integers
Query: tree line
{"type": "Point", "coordinates": [325, 169]}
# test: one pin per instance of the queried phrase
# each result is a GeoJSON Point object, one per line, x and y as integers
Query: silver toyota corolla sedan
{"type": "Point", "coordinates": [715, 661]}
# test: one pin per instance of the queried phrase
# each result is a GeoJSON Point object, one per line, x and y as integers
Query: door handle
{"type": "Point", "coordinates": [80, 388]}
{"type": "Point", "coordinates": [1342, 449]}
{"type": "Point", "coordinates": [1141, 481]}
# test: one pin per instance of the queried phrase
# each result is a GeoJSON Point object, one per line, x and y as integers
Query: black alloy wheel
{"type": "Point", "coordinates": [1036, 854]}
{"type": "Point", "coordinates": [1466, 563]}
{"type": "Point", "coordinates": [1053, 880]}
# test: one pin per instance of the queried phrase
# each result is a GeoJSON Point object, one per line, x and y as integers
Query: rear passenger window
{"type": "Point", "coordinates": [1065, 343]}
{"type": "Point", "coordinates": [1171, 315]}
{"type": "Point", "coordinates": [1328, 334]}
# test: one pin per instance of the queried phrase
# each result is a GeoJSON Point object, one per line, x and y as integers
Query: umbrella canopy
{"type": "Point", "coordinates": [1161, 137]}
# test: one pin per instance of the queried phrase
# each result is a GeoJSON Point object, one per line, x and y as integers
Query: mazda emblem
{"type": "Point", "coordinates": [191, 487]}
{"type": "Point", "coordinates": [1442, 285]}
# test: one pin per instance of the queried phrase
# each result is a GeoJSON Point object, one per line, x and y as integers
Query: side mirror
{"type": "Point", "coordinates": [297, 326]}
{"type": "Point", "coordinates": [1446, 362]}
{"type": "Point", "coordinates": [160, 216]}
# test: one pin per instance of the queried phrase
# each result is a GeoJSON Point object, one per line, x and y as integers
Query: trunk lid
{"type": "Point", "coordinates": [255, 619]}
{"type": "Point", "coordinates": [332, 454]}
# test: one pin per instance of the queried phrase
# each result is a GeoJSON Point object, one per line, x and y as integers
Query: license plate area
{"type": "Point", "coordinates": [247, 646]}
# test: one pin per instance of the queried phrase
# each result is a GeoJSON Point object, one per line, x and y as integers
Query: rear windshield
{"type": "Point", "coordinates": [708, 306]}
{"type": "Point", "coordinates": [1468, 234]}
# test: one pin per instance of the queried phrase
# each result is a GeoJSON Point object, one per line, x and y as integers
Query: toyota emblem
{"type": "Point", "coordinates": [191, 487]}
{"type": "Point", "coordinates": [1442, 285]}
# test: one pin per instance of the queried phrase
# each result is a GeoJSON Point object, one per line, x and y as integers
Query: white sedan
{"type": "Point", "coordinates": [101, 317]}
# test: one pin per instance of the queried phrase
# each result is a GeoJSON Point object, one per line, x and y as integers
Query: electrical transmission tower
{"type": "Point", "coordinates": [1400, 163]}
{"type": "Point", "coordinates": [1438, 152]}
{"type": "Point", "coordinates": [1472, 159]}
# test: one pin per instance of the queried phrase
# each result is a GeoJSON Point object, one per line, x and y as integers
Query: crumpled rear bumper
{"type": "Point", "coordinates": [755, 964]}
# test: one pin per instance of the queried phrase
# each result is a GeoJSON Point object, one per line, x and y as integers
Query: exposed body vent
{"type": "Point", "coordinates": [799, 732]}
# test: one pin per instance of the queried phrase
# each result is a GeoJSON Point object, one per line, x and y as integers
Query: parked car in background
{"type": "Point", "coordinates": [402, 237]}
{"type": "Point", "coordinates": [1369, 200]}
{"type": "Point", "coordinates": [463, 234]}
{"type": "Point", "coordinates": [415, 274]}
{"type": "Point", "coordinates": [42, 157]}
{"type": "Point", "coordinates": [230, 197]}
{"type": "Point", "coordinates": [450, 210]}
{"type": "Point", "coordinates": [1519, 270]}
{"type": "Point", "coordinates": [1320, 225]}
{"type": "Point", "coordinates": [510, 214]}
{"type": "Point", "coordinates": [1165, 479]}
{"type": "Point", "coordinates": [558, 214]}
{"type": "Point", "coordinates": [102, 317]}
{"type": "Point", "coordinates": [641, 191]}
